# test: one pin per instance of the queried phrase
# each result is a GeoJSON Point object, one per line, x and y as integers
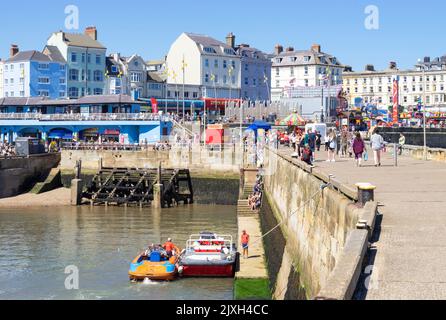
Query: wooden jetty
{"type": "Point", "coordinates": [140, 187]}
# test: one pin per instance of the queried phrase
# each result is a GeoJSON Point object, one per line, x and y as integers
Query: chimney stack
{"type": "Point", "coordinates": [316, 48]}
{"type": "Point", "coordinates": [230, 40]}
{"type": "Point", "coordinates": [92, 32]}
{"type": "Point", "coordinates": [14, 50]}
{"type": "Point", "coordinates": [392, 65]}
{"type": "Point", "coordinates": [427, 59]}
{"type": "Point", "coordinates": [289, 49]}
{"type": "Point", "coordinates": [370, 67]}
{"type": "Point", "coordinates": [278, 49]}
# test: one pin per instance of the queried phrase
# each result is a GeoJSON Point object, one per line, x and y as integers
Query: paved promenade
{"type": "Point", "coordinates": [410, 255]}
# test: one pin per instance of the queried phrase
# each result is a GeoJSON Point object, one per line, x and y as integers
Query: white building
{"type": "Point", "coordinates": [376, 87]}
{"type": "Point", "coordinates": [303, 68]}
{"type": "Point", "coordinates": [211, 68]}
{"type": "Point", "coordinates": [2, 93]}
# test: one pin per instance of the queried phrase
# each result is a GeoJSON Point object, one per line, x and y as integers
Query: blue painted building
{"type": "Point", "coordinates": [89, 119]}
{"type": "Point", "coordinates": [34, 74]}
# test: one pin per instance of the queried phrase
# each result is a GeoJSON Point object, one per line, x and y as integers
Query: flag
{"type": "Point", "coordinates": [395, 100]}
{"type": "Point", "coordinates": [154, 105]}
{"type": "Point", "coordinates": [231, 70]}
{"type": "Point", "coordinates": [183, 65]}
{"type": "Point", "coordinates": [212, 77]}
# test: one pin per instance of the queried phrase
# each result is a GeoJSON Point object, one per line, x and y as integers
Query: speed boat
{"type": "Point", "coordinates": [154, 264]}
{"type": "Point", "coordinates": [208, 255]}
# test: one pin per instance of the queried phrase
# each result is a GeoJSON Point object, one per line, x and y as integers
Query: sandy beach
{"type": "Point", "coordinates": [56, 198]}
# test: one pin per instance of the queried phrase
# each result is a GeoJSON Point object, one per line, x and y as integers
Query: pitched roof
{"type": "Point", "coordinates": [31, 55]}
{"type": "Point", "coordinates": [207, 41]}
{"type": "Point", "coordinates": [156, 77]}
{"type": "Point", "coordinates": [81, 40]}
{"type": "Point", "coordinates": [54, 54]}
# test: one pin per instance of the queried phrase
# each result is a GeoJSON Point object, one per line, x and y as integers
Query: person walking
{"type": "Point", "coordinates": [318, 141]}
{"type": "Point", "coordinates": [245, 244]}
{"type": "Point", "coordinates": [358, 148]}
{"type": "Point", "coordinates": [307, 155]}
{"type": "Point", "coordinates": [332, 146]}
{"type": "Point", "coordinates": [344, 143]}
{"type": "Point", "coordinates": [401, 144]}
{"type": "Point", "coordinates": [377, 145]}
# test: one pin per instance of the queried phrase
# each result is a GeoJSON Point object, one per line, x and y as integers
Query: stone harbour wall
{"type": "Point", "coordinates": [319, 228]}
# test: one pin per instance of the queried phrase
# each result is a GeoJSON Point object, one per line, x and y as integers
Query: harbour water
{"type": "Point", "coordinates": [36, 246]}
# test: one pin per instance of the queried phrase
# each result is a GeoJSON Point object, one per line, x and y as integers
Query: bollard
{"type": "Point", "coordinates": [76, 192]}
{"type": "Point", "coordinates": [366, 193]}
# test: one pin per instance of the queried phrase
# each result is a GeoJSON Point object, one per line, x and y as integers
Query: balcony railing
{"type": "Point", "coordinates": [84, 117]}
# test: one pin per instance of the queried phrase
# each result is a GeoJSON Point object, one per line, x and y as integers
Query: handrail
{"type": "Point", "coordinates": [84, 117]}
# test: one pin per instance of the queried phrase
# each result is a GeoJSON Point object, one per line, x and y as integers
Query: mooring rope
{"type": "Point", "coordinates": [292, 213]}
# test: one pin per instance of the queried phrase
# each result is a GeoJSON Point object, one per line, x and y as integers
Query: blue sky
{"type": "Point", "coordinates": [148, 27]}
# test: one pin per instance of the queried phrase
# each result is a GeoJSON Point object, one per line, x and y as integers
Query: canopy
{"type": "Point", "coordinates": [293, 120]}
{"type": "Point", "coordinates": [259, 125]}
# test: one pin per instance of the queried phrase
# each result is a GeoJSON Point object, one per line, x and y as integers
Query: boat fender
{"type": "Point", "coordinates": [180, 269]}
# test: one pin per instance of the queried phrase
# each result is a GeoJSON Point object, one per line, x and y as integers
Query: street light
{"type": "Point", "coordinates": [424, 110]}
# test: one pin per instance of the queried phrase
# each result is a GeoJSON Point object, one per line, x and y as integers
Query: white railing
{"type": "Point", "coordinates": [226, 240]}
{"type": "Point", "coordinates": [84, 117]}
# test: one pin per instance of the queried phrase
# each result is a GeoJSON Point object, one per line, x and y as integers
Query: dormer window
{"type": "Point", "coordinates": [229, 51]}
{"type": "Point", "coordinates": [209, 50]}
{"type": "Point", "coordinates": [114, 69]}
{"type": "Point", "coordinates": [334, 60]}
{"type": "Point", "coordinates": [307, 58]}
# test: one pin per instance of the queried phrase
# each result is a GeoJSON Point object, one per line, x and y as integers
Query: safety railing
{"type": "Point", "coordinates": [84, 117]}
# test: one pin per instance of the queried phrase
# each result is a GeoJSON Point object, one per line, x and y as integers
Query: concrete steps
{"type": "Point", "coordinates": [243, 209]}
{"type": "Point", "coordinates": [247, 191]}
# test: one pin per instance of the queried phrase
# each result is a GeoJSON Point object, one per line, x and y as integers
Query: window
{"type": "Point", "coordinates": [43, 93]}
{"type": "Point", "coordinates": [206, 78]}
{"type": "Point", "coordinates": [22, 66]}
{"type": "Point", "coordinates": [97, 91]}
{"type": "Point", "coordinates": [62, 81]}
{"type": "Point", "coordinates": [209, 50]}
{"type": "Point", "coordinates": [229, 51]}
{"type": "Point", "coordinates": [292, 71]}
{"type": "Point", "coordinates": [11, 81]}
{"type": "Point", "coordinates": [12, 67]}
{"type": "Point", "coordinates": [215, 63]}
{"type": "Point", "coordinates": [233, 79]}
{"type": "Point", "coordinates": [114, 69]}
{"type": "Point", "coordinates": [136, 77]}
{"type": "Point", "coordinates": [62, 67]}
{"type": "Point", "coordinates": [216, 78]}
{"type": "Point", "coordinates": [97, 76]}
{"type": "Point", "coordinates": [306, 70]}
{"type": "Point", "coordinates": [195, 95]}
{"type": "Point", "coordinates": [98, 59]}
{"type": "Point", "coordinates": [74, 75]}
{"type": "Point", "coordinates": [83, 75]}
{"type": "Point", "coordinates": [206, 63]}
{"type": "Point", "coordinates": [225, 79]}
{"type": "Point", "coordinates": [186, 94]}
{"type": "Point", "coordinates": [73, 57]}
{"type": "Point", "coordinates": [277, 84]}
{"type": "Point", "coordinates": [246, 81]}
{"type": "Point", "coordinates": [73, 92]}
{"type": "Point", "coordinates": [306, 82]}
{"type": "Point", "coordinates": [44, 80]}
{"type": "Point", "coordinates": [89, 58]}
{"type": "Point", "coordinates": [22, 80]}
{"type": "Point", "coordinates": [277, 71]}
{"type": "Point", "coordinates": [22, 93]}
{"type": "Point", "coordinates": [6, 81]}
{"type": "Point", "coordinates": [6, 67]}
{"type": "Point", "coordinates": [61, 94]}
{"type": "Point", "coordinates": [307, 58]}
{"type": "Point", "coordinates": [246, 67]}
{"type": "Point", "coordinates": [233, 64]}
{"type": "Point", "coordinates": [83, 57]}
{"type": "Point", "coordinates": [254, 82]}
{"type": "Point", "coordinates": [225, 64]}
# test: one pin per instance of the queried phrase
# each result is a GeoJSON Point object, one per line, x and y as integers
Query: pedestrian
{"type": "Point", "coordinates": [307, 155]}
{"type": "Point", "coordinates": [327, 144]}
{"type": "Point", "coordinates": [332, 146]}
{"type": "Point", "coordinates": [318, 141]}
{"type": "Point", "coordinates": [311, 141]}
{"type": "Point", "coordinates": [245, 244]}
{"type": "Point", "coordinates": [358, 148]}
{"type": "Point", "coordinates": [377, 145]}
{"type": "Point", "coordinates": [401, 143]}
{"type": "Point", "coordinates": [344, 143]}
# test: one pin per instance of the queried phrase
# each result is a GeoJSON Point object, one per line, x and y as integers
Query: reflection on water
{"type": "Point", "coordinates": [36, 245]}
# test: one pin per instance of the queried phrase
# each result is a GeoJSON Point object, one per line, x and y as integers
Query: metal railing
{"type": "Point", "coordinates": [84, 117]}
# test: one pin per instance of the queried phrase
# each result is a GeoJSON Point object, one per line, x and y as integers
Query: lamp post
{"type": "Point", "coordinates": [424, 111]}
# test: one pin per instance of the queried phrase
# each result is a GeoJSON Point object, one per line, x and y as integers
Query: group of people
{"type": "Point", "coordinates": [306, 144]}
{"type": "Point", "coordinates": [255, 199]}
{"type": "Point", "coordinates": [168, 248]}
{"type": "Point", "coordinates": [7, 150]}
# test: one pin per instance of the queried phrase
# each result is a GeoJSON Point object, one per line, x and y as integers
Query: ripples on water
{"type": "Point", "coordinates": [36, 245]}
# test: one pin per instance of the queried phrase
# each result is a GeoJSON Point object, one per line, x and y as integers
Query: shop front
{"type": "Point", "coordinates": [89, 135]}
{"type": "Point", "coordinates": [111, 136]}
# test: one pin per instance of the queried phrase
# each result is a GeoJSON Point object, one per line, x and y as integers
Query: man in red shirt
{"type": "Point", "coordinates": [245, 244]}
{"type": "Point", "coordinates": [169, 247]}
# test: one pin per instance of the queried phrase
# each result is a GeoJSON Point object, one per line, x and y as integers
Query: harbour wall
{"type": "Point", "coordinates": [324, 232]}
{"type": "Point", "coordinates": [436, 137]}
{"type": "Point", "coordinates": [433, 154]}
{"type": "Point", "coordinates": [18, 175]}
{"type": "Point", "coordinates": [195, 159]}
